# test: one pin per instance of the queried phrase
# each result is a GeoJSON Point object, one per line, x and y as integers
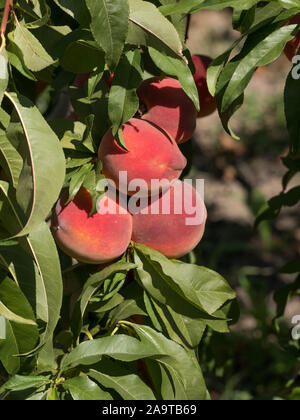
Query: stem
{"type": "Point", "coordinates": [188, 24]}
{"type": "Point", "coordinates": [8, 5]}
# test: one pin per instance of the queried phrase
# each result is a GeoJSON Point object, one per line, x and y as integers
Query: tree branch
{"type": "Point", "coordinates": [8, 6]}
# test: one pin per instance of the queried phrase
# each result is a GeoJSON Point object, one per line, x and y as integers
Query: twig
{"type": "Point", "coordinates": [8, 5]}
{"type": "Point", "coordinates": [188, 23]}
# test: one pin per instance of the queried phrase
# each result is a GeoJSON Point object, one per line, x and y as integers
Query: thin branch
{"type": "Point", "coordinates": [188, 23]}
{"type": "Point", "coordinates": [8, 6]}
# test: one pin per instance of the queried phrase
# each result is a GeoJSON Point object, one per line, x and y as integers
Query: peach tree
{"type": "Point", "coordinates": [77, 78]}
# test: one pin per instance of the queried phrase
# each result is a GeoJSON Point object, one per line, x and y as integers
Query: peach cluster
{"type": "Point", "coordinates": [152, 153]}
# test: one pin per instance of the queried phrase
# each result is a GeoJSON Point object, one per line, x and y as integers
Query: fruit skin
{"type": "Point", "coordinates": [292, 47]}
{"type": "Point", "coordinates": [169, 107]}
{"type": "Point", "coordinates": [98, 239]}
{"type": "Point", "coordinates": [151, 155]}
{"type": "Point", "coordinates": [169, 233]}
{"type": "Point", "coordinates": [208, 103]}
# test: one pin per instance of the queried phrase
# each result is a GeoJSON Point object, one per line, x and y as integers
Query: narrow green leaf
{"type": "Point", "coordinates": [109, 25]}
{"type": "Point", "coordinates": [84, 389]}
{"type": "Point", "coordinates": [10, 160]}
{"type": "Point", "coordinates": [120, 347]}
{"type": "Point", "coordinates": [176, 359]}
{"type": "Point", "coordinates": [91, 287]}
{"type": "Point", "coordinates": [193, 6]}
{"type": "Point", "coordinates": [44, 165]}
{"type": "Point", "coordinates": [123, 100]}
{"type": "Point", "coordinates": [203, 288]}
{"type": "Point", "coordinates": [150, 28]}
{"type": "Point", "coordinates": [129, 386]}
{"type": "Point", "coordinates": [4, 76]}
{"type": "Point", "coordinates": [76, 9]}
{"type": "Point", "coordinates": [35, 56]}
{"type": "Point", "coordinates": [173, 66]}
{"type": "Point", "coordinates": [41, 245]}
{"type": "Point", "coordinates": [20, 383]}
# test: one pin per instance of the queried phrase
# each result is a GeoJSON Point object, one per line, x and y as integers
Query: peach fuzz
{"type": "Point", "coordinates": [169, 107]}
{"type": "Point", "coordinates": [208, 103]}
{"type": "Point", "coordinates": [169, 233]}
{"type": "Point", "coordinates": [151, 155]}
{"type": "Point", "coordinates": [96, 239]}
{"type": "Point", "coordinates": [292, 47]}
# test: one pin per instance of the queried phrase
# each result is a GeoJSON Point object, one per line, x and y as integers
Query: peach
{"type": "Point", "coordinates": [208, 103]}
{"type": "Point", "coordinates": [173, 233]}
{"type": "Point", "coordinates": [292, 47]}
{"type": "Point", "coordinates": [96, 239]}
{"type": "Point", "coordinates": [169, 107]}
{"type": "Point", "coordinates": [152, 155]}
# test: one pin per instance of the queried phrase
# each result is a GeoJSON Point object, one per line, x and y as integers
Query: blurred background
{"type": "Point", "coordinates": [255, 361]}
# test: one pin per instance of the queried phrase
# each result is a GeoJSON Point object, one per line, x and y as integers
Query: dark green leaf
{"type": "Point", "coordinates": [84, 389]}
{"type": "Point", "coordinates": [113, 375]}
{"type": "Point", "coordinates": [109, 25]}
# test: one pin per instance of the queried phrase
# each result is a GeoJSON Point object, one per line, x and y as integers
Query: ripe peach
{"type": "Point", "coordinates": [151, 155]}
{"type": "Point", "coordinates": [292, 47]}
{"type": "Point", "coordinates": [97, 239]}
{"type": "Point", "coordinates": [172, 233]}
{"type": "Point", "coordinates": [208, 103]}
{"type": "Point", "coordinates": [169, 107]}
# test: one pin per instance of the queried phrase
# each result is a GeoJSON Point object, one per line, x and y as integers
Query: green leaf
{"type": "Point", "coordinates": [44, 165]}
{"type": "Point", "coordinates": [10, 160]}
{"type": "Point", "coordinates": [16, 58]}
{"type": "Point", "coordinates": [4, 76]}
{"type": "Point", "coordinates": [176, 359]}
{"type": "Point", "coordinates": [113, 375]}
{"type": "Point", "coordinates": [2, 328]}
{"type": "Point", "coordinates": [35, 56]}
{"type": "Point", "coordinates": [125, 310]}
{"type": "Point", "coordinates": [20, 337]}
{"type": "Point", "coordinates": [91, 287]}
{"type": "Point", "coordinates": [120, 347]}
{"type": "Point", "coordinates": [20, 383]}
{"type": "Point", "coordinates": [109, 25]}
{"type": "Point", "coordinates": [42, 12]}
{"type": "Point", "coordinates": [193, 6]}
{"type": "Point", "coordinates": [104, 306]}
{"type": "Point", "coordinates": [183, 329]}
{"type": "Point", "coordinates": [12, 297]}
{"type": "Point", "coordinates": [292, 104]}
{"type": "Point", "coordinates": [76, 9]}
{"type": "Point", "coordinates": [78, 179]}
{"type": "Point", "coordinates": [36, 267]}
{"type": "Point", "coordinates": [82, 57]}
{"type": "Point", "coordinates": [150, 28]}
{"type": "Point", "coordinates": [201, 287]}
{"type": "Point", "coordinates": [173, 66]}
{"type": "Point", "coordinates": [260, 49]}
{"type": "Point", "coordinates": [70, 133]}
{"type": "Point", "coordinates": [123, 100]}
{"type": "Point", "coordinates": [8, 314]}
{"type": "Point", "coordinates": [42, 247]}
{"type": "Point", "coordinates": [84, 389]}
